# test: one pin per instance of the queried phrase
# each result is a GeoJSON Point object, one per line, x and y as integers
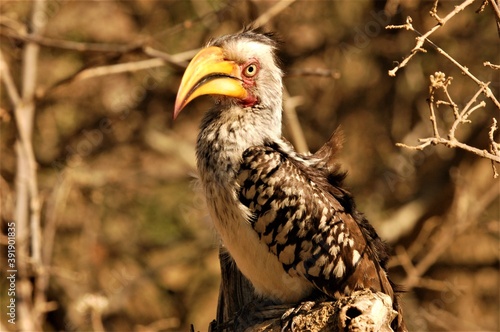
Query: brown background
{"type": "Point", "coordinates": [133, 249]}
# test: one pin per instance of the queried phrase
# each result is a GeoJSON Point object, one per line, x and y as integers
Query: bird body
{"type": "Point", "coordinates": [219, 156]}
{"type": "Point", "coordinates": [285, 218]}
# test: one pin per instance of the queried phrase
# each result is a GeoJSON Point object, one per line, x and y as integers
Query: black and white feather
{"type": "Point", "coordinates": [286, 219]}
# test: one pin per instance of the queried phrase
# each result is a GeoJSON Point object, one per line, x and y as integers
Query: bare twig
{"type": "Point", "coordinates": [72, 45]}
{"type": "Point", "coordinates": [451, 144]}
{"type": "Point", "coordinates": [422, 38]}
{"type": "Point", "coordinates": [484, 86]}
{"type": "Point", "coordinates": [425, 37]}
{"type": "Point", "coordinates": [463, 117]}
{"type": "Point", "coordinates": [496, 9]}
{"type": "Point", "coordinates": [494, 146]}
{"type": "Point", "coordinates": [140, 46]}
{"type": "Point", "coordinates": [428, 228]}
{"type": "Point", "coordinates": [321, 72]}
{"type": "Point", "coordinates": [186, 24]}
{"type": "Point", "coordinates": [277, 8]}
{"type": "Point", "coordinates": [28, 199]}
{"type": "Point", "coordinates": [159, 58]}
{"type": "Point", "coordinates": [118, 68]}
{"type": "Point", "coordinates": [483, 5]}
{"type": "Point", "coordinates": [159, 61]}
{"type": "Point", "coordinates": [56, 204]}
{"type": "Point", "coordinates": [179, 59]}
{"type": "Point", "coordinates": [9, 82]}
{"type": "Point", "coordinates": [463, 214]}
{"type": "Point", "coordinates": [440, 81]}
{"type": "Point", "coordinates": [491, 65]}
{"type": "Point", "coordinates": [434, 13]}
{"type": "Point", "coordinates": [290, 112]}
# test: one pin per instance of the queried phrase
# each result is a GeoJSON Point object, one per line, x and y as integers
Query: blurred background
{"type": "Point", "coordinates": [125, 241]}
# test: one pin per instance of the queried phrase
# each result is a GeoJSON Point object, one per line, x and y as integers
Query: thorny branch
{"type": "Point", "coordinates": [425, 37]}
{"type": "Point", "coordinates": [440, 82]}
{"type": "Point", "coordinates": [422, 38]}
{"type": "Point", "coordinates": [491, 65]}
{"type": "Point", "coordinates": [494, 146]}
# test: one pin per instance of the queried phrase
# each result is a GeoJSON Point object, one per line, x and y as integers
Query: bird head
{"type": "Point", "coordinates": [238, 69]}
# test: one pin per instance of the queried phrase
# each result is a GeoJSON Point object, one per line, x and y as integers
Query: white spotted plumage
{"type": "Point", "coordinates": [285, 218]}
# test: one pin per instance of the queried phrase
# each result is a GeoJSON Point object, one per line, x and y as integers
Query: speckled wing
{"type": "Point", "coordinates": [295, 212]}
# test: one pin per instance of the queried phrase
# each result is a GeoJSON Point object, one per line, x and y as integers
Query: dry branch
{"type": "Point", "coordinates": [6, 76]}
{"type": "Point", "coordinates": [440, 82]}
{"type": "Point", "coordinates": [277, 8]}
{"type": "Point", "coordinates": [491, 65]}
{"type": "Point", "coordinates": [139, 46]}
{"type": "Point", "coordinates": [321, 72]}
{"type": "Point", "coordinates": [422, 38]}
{"type": "Point", "coordinates": [438, 235]}
{"type": "Point", "coordinates": [425, 37]}
{"type": "Point", "coordinates": [31, 295]}
{"type": "Point", "coordinates": [71, 45]}
{"type": "Point", "coordinates": [291, 119]}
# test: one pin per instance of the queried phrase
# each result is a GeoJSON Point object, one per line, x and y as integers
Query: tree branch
{"type": "Point", "coordinates": [440, 81]}
{"type": "Point", "coordinates": [9, 82]}
{"type": "Point", "coordinates": [425, 37]}
{"type": "Point", "coordinates": [277, 8]}
{"type": "Point", "coordinates": [422, 38]}
{"type": "Point", "coordinates": [159, 58]}
{"type": "Point", "coordinates": [491, 65]}
{"type": "Point", "coordinates": [290, 112]}
{"type": "Point", "coordinates": [28, 199]}
{"type": "Point", "coordinates": [440, 235]}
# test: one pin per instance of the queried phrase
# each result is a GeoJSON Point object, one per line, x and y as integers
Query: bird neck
{"type": "Point", "coordinates": [226, 132]}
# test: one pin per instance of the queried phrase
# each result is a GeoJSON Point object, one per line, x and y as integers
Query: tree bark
{"type": "Point", "coordinates": [240, 310]}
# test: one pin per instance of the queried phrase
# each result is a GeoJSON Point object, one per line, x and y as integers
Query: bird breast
{"type": "Point", "coordinates": [220, 146]}
{"type": "Point", "coordinates": [251, 254]}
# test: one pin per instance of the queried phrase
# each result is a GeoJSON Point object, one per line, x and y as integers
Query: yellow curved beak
{"type": "Point", "coordinates": [209, 74]}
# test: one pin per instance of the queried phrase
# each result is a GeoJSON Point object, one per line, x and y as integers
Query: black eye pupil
{"type": "Point", "coordinates": [251, 70]}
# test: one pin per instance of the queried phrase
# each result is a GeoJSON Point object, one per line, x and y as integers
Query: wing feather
{"type": "Point", "coordinates": [309, 222]}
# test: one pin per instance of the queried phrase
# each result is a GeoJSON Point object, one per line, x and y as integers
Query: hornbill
{"type": "Point", "coordinates": [285, 218]}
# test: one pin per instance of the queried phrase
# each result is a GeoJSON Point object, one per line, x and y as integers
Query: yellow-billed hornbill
{"type": "Point", "coordinates": [285, 218]}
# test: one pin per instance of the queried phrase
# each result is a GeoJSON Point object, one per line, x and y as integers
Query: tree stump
{"type": "Point", "coordinates": [240, 310]}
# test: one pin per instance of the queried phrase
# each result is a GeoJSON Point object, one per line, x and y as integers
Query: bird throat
{"type": "Point", "coordinates": [226, 132]}
{"type": "Point", "coordinates": [249, 101]}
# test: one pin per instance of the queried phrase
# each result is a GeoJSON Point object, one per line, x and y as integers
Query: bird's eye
{"type": "Point", "coordinates": [250, 70]}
